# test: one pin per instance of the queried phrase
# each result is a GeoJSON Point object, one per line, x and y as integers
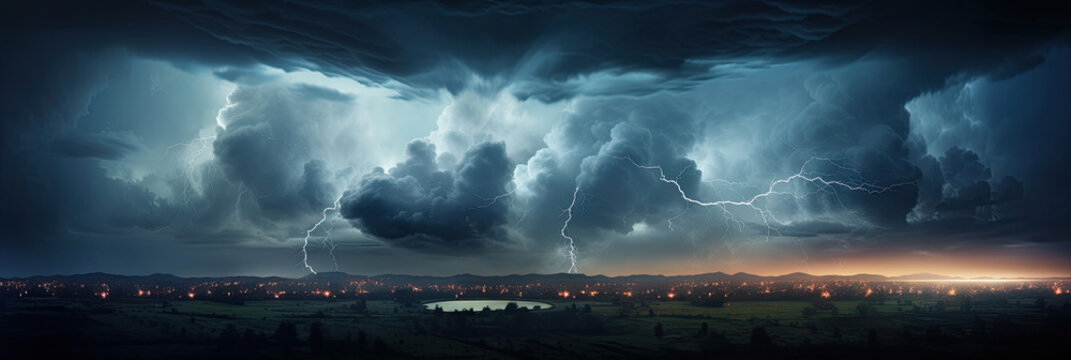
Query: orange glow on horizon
{"type": "Point", "coordinates": [990, 265]}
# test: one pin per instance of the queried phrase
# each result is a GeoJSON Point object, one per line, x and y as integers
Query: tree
{"type": "Point", "coordinates": [511, 307]}
{"type": "Point", "coordinates": [658, 332]}
{"type": "Point", "coordinates": [704, 328]}
{"type": "Point", "coordinates": [360, 306]}
{"type": "Point", "coordinates": [286, 335]}
{"type": "Point", "coordinates": [587, 308]}
{"type": "Point", "coordinates": [404, 296]}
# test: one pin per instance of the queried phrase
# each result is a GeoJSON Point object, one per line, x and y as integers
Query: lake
{"type": "Point", "coordinates": [478, 305]}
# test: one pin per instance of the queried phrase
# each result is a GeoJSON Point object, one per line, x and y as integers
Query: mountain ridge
{"type": "Point", "coordinates": [564, 277]}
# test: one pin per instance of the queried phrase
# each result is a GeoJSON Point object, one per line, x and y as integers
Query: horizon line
{"type": "Point", "coordinates": [935, 276]}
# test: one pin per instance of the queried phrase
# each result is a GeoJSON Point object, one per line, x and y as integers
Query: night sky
{"type": "Point", "coordinates": [443, 137]}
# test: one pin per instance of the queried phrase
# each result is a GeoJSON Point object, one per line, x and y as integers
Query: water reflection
{"type": "Point", "coordinates": [478, 305]}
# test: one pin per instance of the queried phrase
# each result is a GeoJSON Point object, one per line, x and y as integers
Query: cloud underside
{"type": "Point", "coordinates": [659, 111]}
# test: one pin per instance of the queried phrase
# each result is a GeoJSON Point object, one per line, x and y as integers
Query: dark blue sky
{"type": "Point", "coordinates": [426, 137]}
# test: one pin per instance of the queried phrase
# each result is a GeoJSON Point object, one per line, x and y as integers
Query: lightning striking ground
{"type": "Point", "coordinates": [308, 233]}
{"type": "Point", "coordinates": [571, 249]}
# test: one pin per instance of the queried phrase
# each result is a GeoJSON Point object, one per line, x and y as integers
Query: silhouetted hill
{"type": "Point", "coordinates": [468, 279]}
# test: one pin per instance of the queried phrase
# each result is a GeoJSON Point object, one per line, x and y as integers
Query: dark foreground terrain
{"type": "Point", "coordinates": [131, 328]}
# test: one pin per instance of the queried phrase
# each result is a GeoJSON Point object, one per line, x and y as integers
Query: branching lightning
{"type": "Point", "coordinates": [308, 233]}
{"type": "Point", "coordinates": [822, 183]}
{"type": "Point", "coordinates": [190, 168]}
{"type": "Point", "coordinates": [329, 244]}
{"type": "Point", "coordinates": [493, 200]}
{"type": "Point", "coordinates": [571, 248]}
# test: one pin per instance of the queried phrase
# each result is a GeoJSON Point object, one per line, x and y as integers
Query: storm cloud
{"type": "Point", "coordinates": [449, 130]}
{"type": "Point", "coordinates": [415, 204]}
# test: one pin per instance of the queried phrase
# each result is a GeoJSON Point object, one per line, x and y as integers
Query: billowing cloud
{"type": "Point", "coordinates": [238, 126]}
{"type": "Point", "coordinates": [416, 204]}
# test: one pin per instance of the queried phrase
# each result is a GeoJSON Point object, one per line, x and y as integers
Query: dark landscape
{"type": "Point", "coordinates": [535, 179]}
{"type": "Point", "coordinates": [340, 316]}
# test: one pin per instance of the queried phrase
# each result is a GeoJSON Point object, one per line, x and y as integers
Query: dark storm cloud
{"type": "Point", "coordinates": [417, 205]}
{"type": "Point", "coordinates": [962, 168]}
{"type": "Point", "coordinates": [53, 196]}
{"type": "Point", "coordinates": [544, 45]}
{"type": "Point", "coordinates": [316, 92]}
{"type": "Point", "coordinates": [268, 146]}
{"type": "Point", "coordinates": [959, 186]}
{"type": "Point", "coordinates": [425, 42]}
{"type": "Point", "coordinates": [267, 169]}
{"type": "Point", "coordinates": [596, 148]}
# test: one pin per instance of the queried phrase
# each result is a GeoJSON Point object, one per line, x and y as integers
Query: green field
{"type": "Point", "coordinates": [199, 329]}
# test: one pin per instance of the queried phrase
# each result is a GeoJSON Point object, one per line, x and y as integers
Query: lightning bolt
{"type": "Point", "coordinates": [238, 202]}
{"type": "Point", "coordinates": [308, 233]}
{"type": "Point", "coordinates": [822, 183]}
{"type": "Point", "coordinates": [493, 200]}
{"type": "Point", "coordinates": [571, 249]}
{"type": "Point", "coordinates": [190, 169]}
{"type": "Point", "coordinates": [329, 244]}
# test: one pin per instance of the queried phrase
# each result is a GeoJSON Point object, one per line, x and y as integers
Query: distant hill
{"type": "Point", "coordinates": [559, 278]}
{"type": "Point", "coordinates": [924, 276]}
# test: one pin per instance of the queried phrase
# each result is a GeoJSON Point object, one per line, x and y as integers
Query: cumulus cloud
{"type": "Point", "coordinates": [273, 141]}
{"type": "Point", "coordinates": [724, 97]}
{"type": "Point", "coordinates": [416, 204]}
